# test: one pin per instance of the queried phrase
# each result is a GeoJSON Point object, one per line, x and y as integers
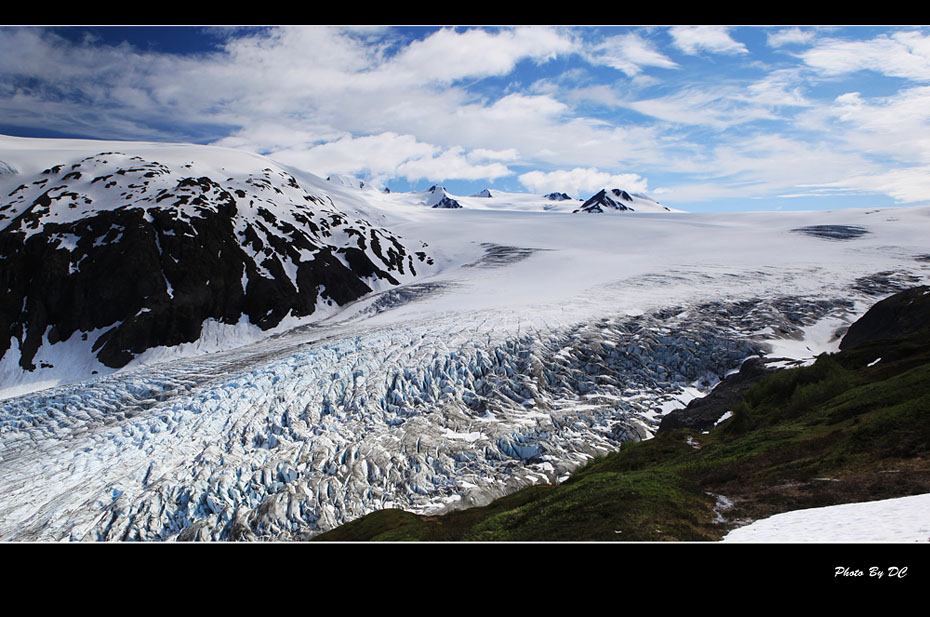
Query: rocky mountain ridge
{"type": "Point", "coordinates": [619, 200]}
{"type": "Point", "coordinates": [137, 254]}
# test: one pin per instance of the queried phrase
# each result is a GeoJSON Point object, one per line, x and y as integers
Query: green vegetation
{"type": "Point", "coordinates": [844, 429]}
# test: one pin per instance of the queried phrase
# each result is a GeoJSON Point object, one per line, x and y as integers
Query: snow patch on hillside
{"type": "Point", "coordinates": [903, 519]}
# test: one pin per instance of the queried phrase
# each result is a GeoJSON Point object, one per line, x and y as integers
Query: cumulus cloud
{"type": "Point", "coordinates": [448, 54]}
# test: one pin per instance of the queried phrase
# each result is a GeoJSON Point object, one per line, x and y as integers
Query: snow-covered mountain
{"type": "Point", "coordinates": [609, 200]}
{"type": "Point", "coordinates": [438, 197]}
{"type": "Point", "coordinates": [120, 253]}
{"type": "Point", "coordinates": [467, 352]}
{"type": "Point", "coordinates": [605, 200]}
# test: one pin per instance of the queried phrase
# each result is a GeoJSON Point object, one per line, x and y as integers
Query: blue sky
{"type": "Point", "coordinates": [699, 117]}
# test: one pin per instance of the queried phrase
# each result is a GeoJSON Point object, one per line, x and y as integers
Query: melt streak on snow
{"type": "Point", "coordinates": [541, 338]}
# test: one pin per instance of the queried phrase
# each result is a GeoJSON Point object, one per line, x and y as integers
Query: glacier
{"type": "Point", "coordinates": [540, 338]}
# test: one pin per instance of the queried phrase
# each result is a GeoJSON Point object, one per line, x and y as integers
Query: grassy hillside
{"type": "Point", "coordinates": [848, 428]}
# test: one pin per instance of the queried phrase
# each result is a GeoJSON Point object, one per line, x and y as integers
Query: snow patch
{"type": "Point", "coordinates": [891, 520]}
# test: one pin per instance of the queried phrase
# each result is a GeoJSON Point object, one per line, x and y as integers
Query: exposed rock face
{"type": "Point", "coordinates": [898, 316]}
{"type": "Point", "coordinates": [558, 197]}
{"type": "Point", "coordinates": [145, 254]}
{"type": "Point", "coordinates": [701, 414]}
{"type": "Point", "coordinates": [448, 203]}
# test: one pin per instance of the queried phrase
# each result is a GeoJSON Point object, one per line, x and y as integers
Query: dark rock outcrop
{"type": "Point", "coordinates": [448, 203]}
{"type": "Point", "coordinates": [701, 414]}
{"type": "Point", "coordinates": [898, 316]}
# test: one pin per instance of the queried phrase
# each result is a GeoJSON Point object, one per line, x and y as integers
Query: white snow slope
{"type": "Point", "coordinates": [904, 519]}
{"type": "Point", "coordinates": [541, 338]}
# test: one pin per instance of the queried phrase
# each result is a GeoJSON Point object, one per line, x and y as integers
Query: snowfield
{"type": "Point", "coordinates": [540, 338]}
{"type": "Point", "coordinates": [890, 520]}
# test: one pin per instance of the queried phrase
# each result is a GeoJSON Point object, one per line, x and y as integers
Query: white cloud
{"type": "Point", "coordinates": [448, 55]}
{"type": "Point", "coordinates": [905, 185]}
{"type": "Point", "coordinates": [780, 161]}
{"type": "Point", "coordinates": [629, 53]}
{"type": "Point", "coordinates": [902, 54]}
{"type": "Point", "coordinates": [269, 136]}
{"type": "Point", "coordinates": [897, 127]}
{"type": "Point", "coordinates": [483, 154]}
{"type": "Point", "coordinates": [693, 40]}
{"type": "Point", "coordinates": [450, 164]}
{"type": "Point", "coordinates": [326, 74]}
{"type": "Point", "coordinates": [367, 101]}
{"type": "Point", "coordinates": [691, 192]}
{"type": "Point", "coordinates": [390, 155]}
{"type": "Point", "coordinates": [374, 154]}
{"type": "Point", "coordinates": [719, 106]}
{"type": "Point", "coordinates": [580, 181]}
{"type": "Point", "coordinates": [790, 36]}
{"type": "Point", "coordinates": [781, 87]}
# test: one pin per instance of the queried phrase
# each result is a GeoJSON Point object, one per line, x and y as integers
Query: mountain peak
{"type": "Point", "coordinates": [616, 199]}
{"type": "Point", "coordinates": [601, 200]}
{"type": "Point", "coordinates": [439, 198]}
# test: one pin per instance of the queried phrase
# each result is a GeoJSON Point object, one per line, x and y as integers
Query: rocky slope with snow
{"type": "Point", "coordinates": [621, 201]}
{"type": "Point", "coordinates": [128, 254]}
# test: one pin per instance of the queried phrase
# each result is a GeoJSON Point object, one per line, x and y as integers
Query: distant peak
{"type": "Point", "coordinates": [620, 200]}
{"type": "Point", "coordinates": [601, 200]}
{"type": "Point", "coordinates": [484, 193]}
{"type": "Point", "coordinates": [439, 198]}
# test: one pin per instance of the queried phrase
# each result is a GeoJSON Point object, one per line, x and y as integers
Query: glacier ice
{"type": "Point", "coordinates": [289, 437]}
